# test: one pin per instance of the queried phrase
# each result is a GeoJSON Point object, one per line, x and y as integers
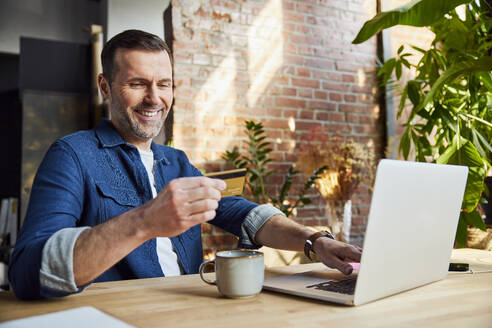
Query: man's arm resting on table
{"type": "Point", "coordinates": [182, 204]}
{"type": "Point", "coordinates": [283, 233]}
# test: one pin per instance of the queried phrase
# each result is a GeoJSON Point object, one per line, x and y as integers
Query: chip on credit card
{"type": "Point", "coordinates": [234, 180]}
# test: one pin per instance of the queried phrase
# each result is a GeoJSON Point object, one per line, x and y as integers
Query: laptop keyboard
{"type": "Point", "coordinates": [346, 286]}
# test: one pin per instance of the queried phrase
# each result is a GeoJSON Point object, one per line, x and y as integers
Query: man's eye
{"type": "Point", "coordinates": [136, 84]}
{"type": "Point", "coordinates": [164, 85]}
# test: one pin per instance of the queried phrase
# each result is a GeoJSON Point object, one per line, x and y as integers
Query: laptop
{"type": "Point", "coordinates": [410, 234]}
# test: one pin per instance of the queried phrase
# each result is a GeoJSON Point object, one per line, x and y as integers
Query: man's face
{"type": "Point", "coordinates": [140, 94]}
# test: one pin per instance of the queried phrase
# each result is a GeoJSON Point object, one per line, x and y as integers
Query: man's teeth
{"type": "Point", "coordinates": [148, 114]}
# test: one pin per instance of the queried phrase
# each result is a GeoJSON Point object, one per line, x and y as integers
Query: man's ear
{"type": "Point", "coordinates": [103, 86]}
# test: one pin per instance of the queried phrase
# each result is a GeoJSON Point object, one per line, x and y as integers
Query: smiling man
{"type": "Point", "coordinates": [110, 204]}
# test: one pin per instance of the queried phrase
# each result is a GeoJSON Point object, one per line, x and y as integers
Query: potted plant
{"type": "Point", "coordinates": [348, 165]}
{"type": "Point", "coordinates": [450, 98]}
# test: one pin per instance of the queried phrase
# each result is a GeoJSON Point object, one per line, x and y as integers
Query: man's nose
{"type": "Point", "coordinates": [152, 96]}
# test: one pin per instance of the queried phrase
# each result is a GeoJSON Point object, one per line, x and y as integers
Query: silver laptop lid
{"type": "Point", "coordinates": [411, 227]}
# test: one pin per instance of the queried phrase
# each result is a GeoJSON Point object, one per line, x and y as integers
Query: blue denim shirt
{"type": "Point", "coordinates": [89, 177]}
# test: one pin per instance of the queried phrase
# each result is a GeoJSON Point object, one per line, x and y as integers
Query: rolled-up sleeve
{"type": "Point", "coordinates": [57, 261]}
{"type": "Point", "coordinates": [255, 219]}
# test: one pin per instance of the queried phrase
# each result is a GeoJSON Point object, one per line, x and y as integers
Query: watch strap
{"type": "Point", "coordinates": [308, 246]}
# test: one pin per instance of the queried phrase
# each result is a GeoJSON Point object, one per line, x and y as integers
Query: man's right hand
{"type": "Point", "coordinates": [183, 203]}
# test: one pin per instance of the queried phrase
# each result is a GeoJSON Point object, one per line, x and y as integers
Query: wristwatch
{"type": "Point", "coordinates": [308, 246]}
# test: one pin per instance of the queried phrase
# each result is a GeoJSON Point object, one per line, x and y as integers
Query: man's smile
{"type": "Point", "coordinates": [147, 113]}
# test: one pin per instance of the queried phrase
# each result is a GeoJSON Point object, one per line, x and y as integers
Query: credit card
{"type": "Point", "coordinates": [234, 180]}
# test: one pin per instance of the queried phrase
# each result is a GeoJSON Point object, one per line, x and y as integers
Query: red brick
{"type": "Point", "coordinates": [336, 86]}
{"type": "Point", "coordinates": [364, 89]}
{"type": "Point", "coordinates": [303, 8]}
{"type": "Point", "coordinates": [289, 70]}
{"type": "Point", "coordinates": [302, 71]}
{"type": "Point", "coordinates": [284, 146]}
{"type": "Point", "coordinates": [339, 128]}
{"type": "Point", "coordinates": [348, 78]}
{"type": "Point", "coordinates": [257, 111]}
{"type": "Point", "coordinates": [183, 82]}
{"type": "Point", "coordinates": [322, 116]}
{"type": "Point", "coordinates": [336, 117]}
{"type": "Point", "coordinates": [182, 57]}
{"type": "Point", "coordinates": [291, 102]}
{"type": "Point", "coordinates": [307, 212]}
{"type": "Point", "coordinates": [319, 74]}
{"type": "Point", "coordinates": [320, 94]}
{"type": "Point", "coordinates": [293, 17]}
{"type": "Point", "coordinates": [276, 123]}
{"type": "Point", "coordinates": [306, 125]}
{"type": "Point", "coordinates": [335, 96]}
{"type": "Point", "coordinates": [221, 240]}
{"type": "Point", "coordinates": [305, 39]}
{"type": "Point", "coordinates": [350, 98]}
{"type": "Point", "coordinates": [287, 5]}
{"type": "Point", "coordinates": [354, 108]}
{"type": "Point", "coordinates": [306, 93]}
{"type": "Point", "coordinates": [305, 50]}
{"type": "Point", "coordinates": [347, 66]}
{"type": "Point", "coordinates": [283, 80]}
{"type": "Point", "coordinates": [273, 134]}
{"type": "Point", "coordinates": [307, 83]}
{"type": "Point", "coordinates": [366, 120]}
{"type": "Point", "coordinates": [290, 113]}
{"type": "Point", "coordinates": [352, 118]}
{"type": "Point", "coordinates": [277, 156]}
{"type": "Point", "coordinates": [365, 129]}
{"type": "Point", "coordinates": [306, 115]}
{"type": "Point", "coordinates": [334, 76]}
{"type": "Point", "coordinates": [293, 59]}
{"type": "Point", "coordinates": [322, 105]}
{"type": "Point", "coordinates": [275, 112]}
{"type": "Point", "coordinates": [274, 90]}
{"type": "Point", "coordinates": [289, 91]}
{"type": "Point", "coordinates": [365, 98]}
{"type": "Point", "coordinates": [319, 63]}
{"type": "Point", "coordinates": [303, 29]}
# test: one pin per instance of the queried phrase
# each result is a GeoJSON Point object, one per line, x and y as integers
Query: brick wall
{"type": "Point", "coordinates": [288, 64]}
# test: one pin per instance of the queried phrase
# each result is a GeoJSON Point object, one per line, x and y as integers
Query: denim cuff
{"type": "Point", "coordinates": [56, 271]}
{"type": "Point", "coordinates": [255, 219]}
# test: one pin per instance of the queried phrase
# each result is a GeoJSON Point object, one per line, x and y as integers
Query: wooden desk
{"type": "Point", "coordinates": [460, 300]}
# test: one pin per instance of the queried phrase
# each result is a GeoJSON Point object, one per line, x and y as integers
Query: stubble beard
{"type": "Point", "coordinates": [133, 126]}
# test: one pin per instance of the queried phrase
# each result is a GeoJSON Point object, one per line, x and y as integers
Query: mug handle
{"type": "Point", "coordinates": [202, 267]}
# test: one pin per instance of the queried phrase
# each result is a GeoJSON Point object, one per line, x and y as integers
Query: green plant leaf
{"type": "Point", "coordinates": [482, 64]}
{"type": "Point", "coordinates": [486, 78]}
{"type": "Point", "coordinates": [414, 13]}
{"type": "Point", "coordinates": [474, 219]}
{"type": "Point", "coordinates": [461, 231]}
{"type": "Point", "coordinates": [305, 201]}
{"type": "Point", "coordinates": [414, 92]}
{"type": "Point", "coordinates": [463, 152]}
{"type": "Point", "coordinates": [484, 141]}
{"type": "Point", "coordinates": [405, 143]}
{"type": "Point", "coordinates": [401, 49]}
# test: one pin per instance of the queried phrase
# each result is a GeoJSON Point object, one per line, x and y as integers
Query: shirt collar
{"type": "Point", "coordinates": [109, 137]}
{"type": "Point", "coordinates": [107, 134]}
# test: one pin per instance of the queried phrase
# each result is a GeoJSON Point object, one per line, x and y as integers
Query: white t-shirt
{"type": "Point", "coordinates": [168, 259]}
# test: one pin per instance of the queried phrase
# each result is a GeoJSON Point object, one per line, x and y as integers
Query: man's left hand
{"type": "Point", "coordinates": [336, 254]}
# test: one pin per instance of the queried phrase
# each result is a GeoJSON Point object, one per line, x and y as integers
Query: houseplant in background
{"type": "Point", "coordinates": [348, 165]}
{"type": "Point", "coordinates": [256, 160]}
{"type": "Point", "coordinates": [450, 98]}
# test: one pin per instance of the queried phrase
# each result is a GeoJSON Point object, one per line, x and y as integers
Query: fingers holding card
{"type": "Point", "coordinates": [234, 180]}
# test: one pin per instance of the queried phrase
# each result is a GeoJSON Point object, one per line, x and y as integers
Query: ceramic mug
{"type": "Point", "coordinates": [238, 273]}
